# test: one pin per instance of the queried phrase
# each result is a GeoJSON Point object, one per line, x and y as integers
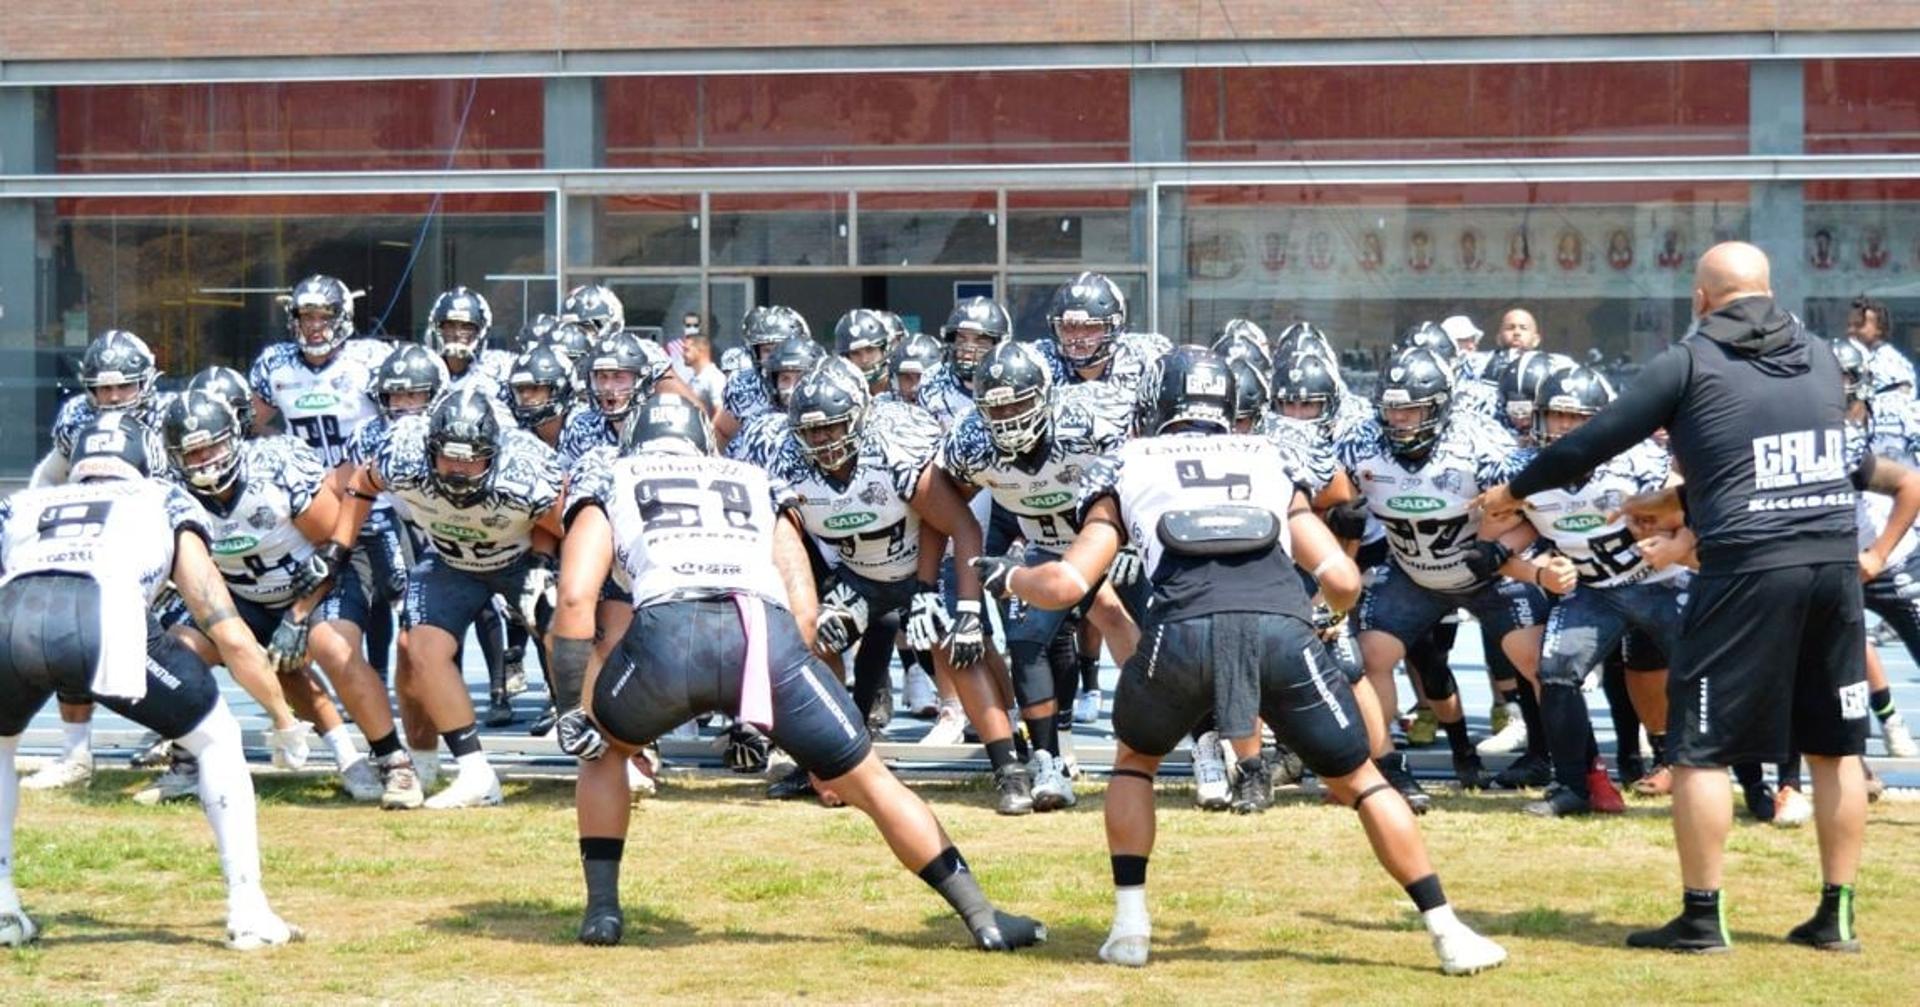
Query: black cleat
{"type": "Point", "coordinates": [1560, 802]}
{"type": "Point", "coordinates": [1528, 772]}
{"type": "Point", "coordinates": [1009, 932]}
{"type": "Point", "coordinates": [1825, 933]}
{"type": "Point", "coordinates": [1253, 790]}
{"type": "Point", "coordinates": [1683, 934]}
{"type": "Point", "coordinates": [1470, 771]}
{"type": "Point", "coordinates": [1016, 789]}
{"type": "Point", "coordinates": [1287, 768]}
{"type": "Point", "coordinates": [1760, 803]}
{"type": "Point", "coordinates": [543, 723]}
{"type": "Point", "coordinates": [1394, 768]}
{"type": "Point", "coordinates": [602, 927]}
{"type": "Point", "coordinates": [791, 787]}
{"type": "Point", "coordinates": [499, 711]}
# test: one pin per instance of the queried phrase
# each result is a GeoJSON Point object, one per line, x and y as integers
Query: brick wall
{"type": "Point", "coordinates": [129, 29]}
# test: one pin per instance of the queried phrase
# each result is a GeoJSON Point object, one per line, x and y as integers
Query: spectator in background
{"type": "Point", "coordinates": [1474, 361]}
{"type": "Point", "coordinates": [706, 380]}
{"type": "Point", "coordinates": [1870, 324]}
{"type": "Point", "coordinates": [1518, 331]}
{"type": "Point", "coordinates": [676, 347]}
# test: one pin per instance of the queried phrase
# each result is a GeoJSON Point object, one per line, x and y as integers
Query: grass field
{"type": "Point", "coordinates": [732, 899]}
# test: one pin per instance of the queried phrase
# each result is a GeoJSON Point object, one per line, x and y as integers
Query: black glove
{"type": "Point", "coordinates": [745, 749]}
{"type": "Point", "coordinates": [966, 643]}
{"type": "Point", "coordinates": [1348, 520]}
{"type": "Point", "coordinates": [287, 651]}
{"type": "Point", "coordinates": [995, 572]}
{"type": "Point", "coordinates": [578, 736]}
{"type": "Point", "coordinates": [1485, 558]}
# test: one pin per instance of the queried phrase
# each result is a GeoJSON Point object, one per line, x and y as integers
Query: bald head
{"type": "Point", "coordinates": [1727, 272]}
{"type": "Point", "coordinates": [1518, 330]}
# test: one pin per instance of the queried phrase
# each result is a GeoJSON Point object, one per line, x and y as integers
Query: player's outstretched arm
{"type": "Point", "coordinates": [1317, 550]}
{"type": "Point", "coordinates": [206, 597]}
{"type": "Point", "coordinates": [1063, 582]}
{"type": "Point", "coordinates": [358, 491]}
{"type": "Point", "coordinates": [940, 505]}
{"type": "Point", "coordinates": [796, 572]}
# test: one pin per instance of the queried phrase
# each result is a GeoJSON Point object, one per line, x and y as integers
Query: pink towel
{"type": "Point", "coordinates": [756, 685]}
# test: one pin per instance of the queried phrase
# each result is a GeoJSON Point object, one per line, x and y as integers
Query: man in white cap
{"type": "Point", "coordinates": [1473, 362]}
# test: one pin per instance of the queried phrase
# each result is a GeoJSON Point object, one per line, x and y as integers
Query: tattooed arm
{"type": "Point", "coordinates": [205, 594]}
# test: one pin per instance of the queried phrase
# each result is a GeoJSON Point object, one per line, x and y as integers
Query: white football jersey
{"type": "Point", "coordinates": [1150, 476]}
{"type": "Point", "coordinates": [119, 532]}
{"type": "Point", "coordinates": [685, 523]}
{"type": "Point", "coordinates": [1427, 508]}
{"type": "Point", "coordinates": [495, 531]}
{"type": "Point", "coordinates": [1133, 353]}
{"type": "Point", "coordinates": [326, 405]}
{"type": "Point", "coordinates": [869, 523]}
{"type": "Point", "coordinates": [1089, 421]}
{"type": "Point", "coordinates": [1575, 519]}
{"type": "Point", "coordinates": [488, 372]}
{"type": "Point", "coordinates": [255, 543]}
{"type": "Point", "coordinates": [942, 395]}
{"type": "Point", "coordinates": [1892, 431]}
{"type": "Point", "coordinates": [759, 438]}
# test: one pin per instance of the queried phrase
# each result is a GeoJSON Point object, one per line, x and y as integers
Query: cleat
{"type": "Point", "coordinates": [1898, 738]}
{"type": "Point", "coordinates": [1658, 783]}
{"type": "Point", "coordinates": [1602, 794]}
{"type": "Point", "coordinates": [920, 698]}
{"type": "Point", "coordinates": [1128, 947]}
{"type": "Point", "coordinates": [400, 785]}
{"type": "Point", "coordinates": [1211, 789]}
{"type": "Point", "coordinates": [153, 752]}
{"type": "Point", "coordinates": [17, 928]}
{"type": "Point", "coordinates": [602, 928]}
{"type": "Point", "coordinates": [1051, 788]}
{"type": "Point", "coordinates": [514, 681]}
{"type": "Point", "coordinates": [1015, 789]}
{"type": "Point", "coordinates": [1792, 809]}
{"type": "Point", "coordinates": [61, 774]}
{"type": "Point", "coordinates": [643, 774]}
{"type": "Point", "coordinates": [1424, 728]}
{"type": "Point", "coordinates": [1682, 935]}
{"type": "Point", "coordinates": [1286, 768]}
{"type": "Point", "coordinates": [1008, 933]}
{"type": "Point", "coordinates": [543, 723]}
{"type": "Point", "coordinates": [949, 725]}
{"type": "Point", "coordinates": [1394, 768]}
{"type": "Point", "coordinates": [361, 781]}
{"type": "Point", "coordinates": [499, 711]}
{"type": "Point", "coordinates": [470, 789]}
{"type": "Point", "coordinates": [260, 930]}
{"type": "Point", "coordinates": [1528, 772]}
{"type": "Point", "coordinates": [1086, 706]}
{"type": "Point", "coordinates": [1821, 933]}
{"type": "Point", "coordinates": [180, 781]}
{"type": "Point", "coordinates": [1253, 790]}
{"type": "Point", "coordinates": [1463, 952]}
{"type": "Point", "coordinates": [791, 787]}
{"type": "Point", "coordinates": [1560, 802]}
{"type": "Point", "coordinates": [1471, 773]}
{"type": "Point", "coordinates": [1509, 738]}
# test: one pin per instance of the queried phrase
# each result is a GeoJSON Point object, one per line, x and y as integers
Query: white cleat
{"type": "Point", "coordinates": [1086, 706]}
{"type": "Point", "coordinates": [361, 781]}
{"type": "Point", "coordinates": [1463, 952]}
{"type": "Point", "coordinates": [1128, 947]}
{"type": "Point", "coordinates": [1899, 739]}
{"type": "Point", "coordinates": [469, 789]}
{"type": "Point", "coordinates": [920, 698]}
{"type": "Point", "coordinates": [1509, 739]}
{"type": "Point", "coordinates": [61, 774]}
{"type": "Point", "coordinates": [1212, 791]}
{"type": "Point", "coordinates": [400, 785]}
{"type": "Point", "coordinates": [1791, 809]}
{"type": "Point", "coordinates": [260, 930]}
{"type": "Point", "coordinates": [949, 728]}
{"type": "Point", "coordinates": [1051, 788]}
{"type": "Point", "coordinates": [640, 782]}
{"type": "Point", "coordinates": [181, 781]}
{"type": "Point", "coordinates": [17, 929]}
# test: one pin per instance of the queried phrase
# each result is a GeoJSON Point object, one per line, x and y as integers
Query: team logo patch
{"type": "Point", "coordinates": [495, 520]}
{"type": "Point", "coordinates": [1610, 501]}
{"type": "Point", "coordinates": [848, 522]}
{"type": "Point", "coordinates": [1853, 701]}
{"type": "Point", "coordinates": [459, 533]}
{"type": "Point", "coordinates": [1447, 482]}
{"type": "Point", "coordinates": [1069, 475]}
{"type": "Point", "coordinates": [1415, 504]}
{"type": "Point", "coordinates": [262, 518]}
{"type": "Point", "coordinates": [235, 545]}
{"type": "Point", "coordinates": [873, 494]}
{"type": "Point", "coordinates": [316, 400]}
{"type": "Point", "coordinates": [1580, 522]}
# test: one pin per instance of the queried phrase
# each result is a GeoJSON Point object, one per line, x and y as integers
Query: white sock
{"type": "Point", "coordinates": [9, 804]}
{"type": "Point", "coordinates": [76, 741]}
{"type": "Point", "coordinates": [226, 795]}
{"type": "Point", "coordinates": [1441, 919]}
{"type": "Point", "coordinates": [341, 741]}
{"type": "Point", "coordinates": [474, 762]}
{"type": "Point", "coordinates": [1130, 910]}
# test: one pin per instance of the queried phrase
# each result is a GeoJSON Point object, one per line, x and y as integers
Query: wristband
{"type": "Point", "coordinates": [966, 607]}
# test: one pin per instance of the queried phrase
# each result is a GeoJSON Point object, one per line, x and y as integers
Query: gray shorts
{"type": "Point", "coordinates": [1585, 626]}
{"type": "Point", "coordinates": [1395, 605]}
{"type": "Point", "coordinates": [439, 595]}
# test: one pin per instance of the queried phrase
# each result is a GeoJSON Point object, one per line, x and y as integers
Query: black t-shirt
{"type": "Point", "coordinates": [1188, 586]}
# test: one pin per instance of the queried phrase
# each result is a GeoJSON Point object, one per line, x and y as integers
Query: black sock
{"type": "Point", "coordinates": [1701, 904]}
{"type": "Point", "coordinates": [1880, 701]}
{"type": "Point", "coordinates": [1790, 771]}
{"type": "Point", "coordinates": [1000, 753]}
{"type": "Point", "coordinates": [1536, 728]}
{"type": "Point", "coordinates": [1510, 695]}
{"type": "Point", "coordinates": [1457, 738]}
{"type": "Point", "coordinates": [1658, 742]}
{"type": "Point", "coordinates": [1426, 893]}
{"type": "Point", "coordinates": [948, 875]}
{"type": "Point", "coordinates": [1043, 734]}
{"type": "Point", "coordinates": [1129, 871]}
{"type": "Point", "coordinates": [1090, 673]}
{"type": "Point", "coordinates": [462, 741]}
{"type": "Point", "coordinates": [600, 862]}
{"type": "Point", "coordinates": [1836, 902]}
{"type": "Point", "coordinates": [1565, 712]}
{"type": "Point", "coordinates": [1749, 774]}
{"type": "Point", "coordinates": [383, 747]}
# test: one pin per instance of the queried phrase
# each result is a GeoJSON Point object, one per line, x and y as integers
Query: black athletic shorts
{"type": "Point", "coordinates": [50, 640]}
{"type": "Point", "coordinates": [1769, 662]}
{"type": "Point", "coordinates": [681, 659]}
{"type": "Point", "coordinates": [345, 602]}
{"type": "Point", "coordinates": [1640, 653]}
{"type": "Point", "coordinates": [451, 599]}
{"type": "Point", "coordinates": [1168, 685]}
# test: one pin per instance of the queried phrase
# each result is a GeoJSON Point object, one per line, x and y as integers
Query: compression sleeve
{"type": "Point", "coordinates": [1647, 405]}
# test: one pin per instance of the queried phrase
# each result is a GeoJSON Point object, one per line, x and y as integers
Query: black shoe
{"type": "Point", "coordinates": [1016, 789]}
{"type": "Point", "coordinates": [1560, 802]}
{"type": "Point", "coordinates": [1009, 932]}
{"type": "Point", "coordinates": [880, 713]}
{"type": "Point", "coordinates": [1253, 790]}
{"type": "Point", "coordinates": [1759, 801]}
{"type": "Point", "coordinates": [499, 711]}
{"type": "Point", "coordinates": [602, 927]}
{"type": "Point", "coordinates": [1685, 934]}
{"type": "Point", "coordinates": [793, 786]}
{"type": "Point", "coordinates": [1395, 770]}
{"type": "Point", "coordinates": [1825, 933]}
{"type": "Point", "coordinates": [1286, 767]}
{"type": "Point", "coordinates": [1528, 772]}
{"type": "Point", "coordinates": [1471, 772]}
{"type": "Point", "coordinates": [543, 723]}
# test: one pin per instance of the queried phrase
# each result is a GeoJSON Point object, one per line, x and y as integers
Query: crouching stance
{"type": "Point", "coordinates": [1221, 522]}
{"type": "Point", "coordinates": [80, 566]}
{"type": "Point", "coordinates": [720, 582]}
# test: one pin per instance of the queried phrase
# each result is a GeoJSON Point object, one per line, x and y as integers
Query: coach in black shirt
{"type": "Point", "coordinates": [1772, 651]}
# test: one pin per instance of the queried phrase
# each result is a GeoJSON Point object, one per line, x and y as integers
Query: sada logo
{"type": "Point", "coordinates": [848, 522]}
{"type": "Point", "coordinates": [1414, 504]}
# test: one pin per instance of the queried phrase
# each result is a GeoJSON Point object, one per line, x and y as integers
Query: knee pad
{"type": "Point", "coordinates": [1436, 677]}
{"type": "Point", "coordinates": [1032, 673]}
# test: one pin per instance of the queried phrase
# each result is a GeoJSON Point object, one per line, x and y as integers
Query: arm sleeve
{"type": "Point", "coordinates": [1647, 405]}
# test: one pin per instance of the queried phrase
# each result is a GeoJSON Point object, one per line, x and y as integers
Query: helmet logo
{"type": "Point", "coordinates": [1397, 374]}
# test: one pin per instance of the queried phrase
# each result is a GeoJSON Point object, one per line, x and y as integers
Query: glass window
{"type": "Point", "coordinates": [637, 230]}
{"type": "Point", "coordinates": [1606, 265]}
{"type": "Point", "coordinates": [1862, 240]}
{"type": "Point", "coordinates": [779, 229]}
{"type": "Point", "coordinates": [1504, 110]}
{"type": "Point", "coordinates": [867, 118]}
{"type": "Point", "coordinates": [923, 228]}
{"type": "Point", "coordinates": [1863, 106]}
{"type": "Point", "coordinates": [300, 126]}
{"type": "Point", "coordinates": [1029, 294]}
{"type": "Point", "coordinates": [1084, 226]}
